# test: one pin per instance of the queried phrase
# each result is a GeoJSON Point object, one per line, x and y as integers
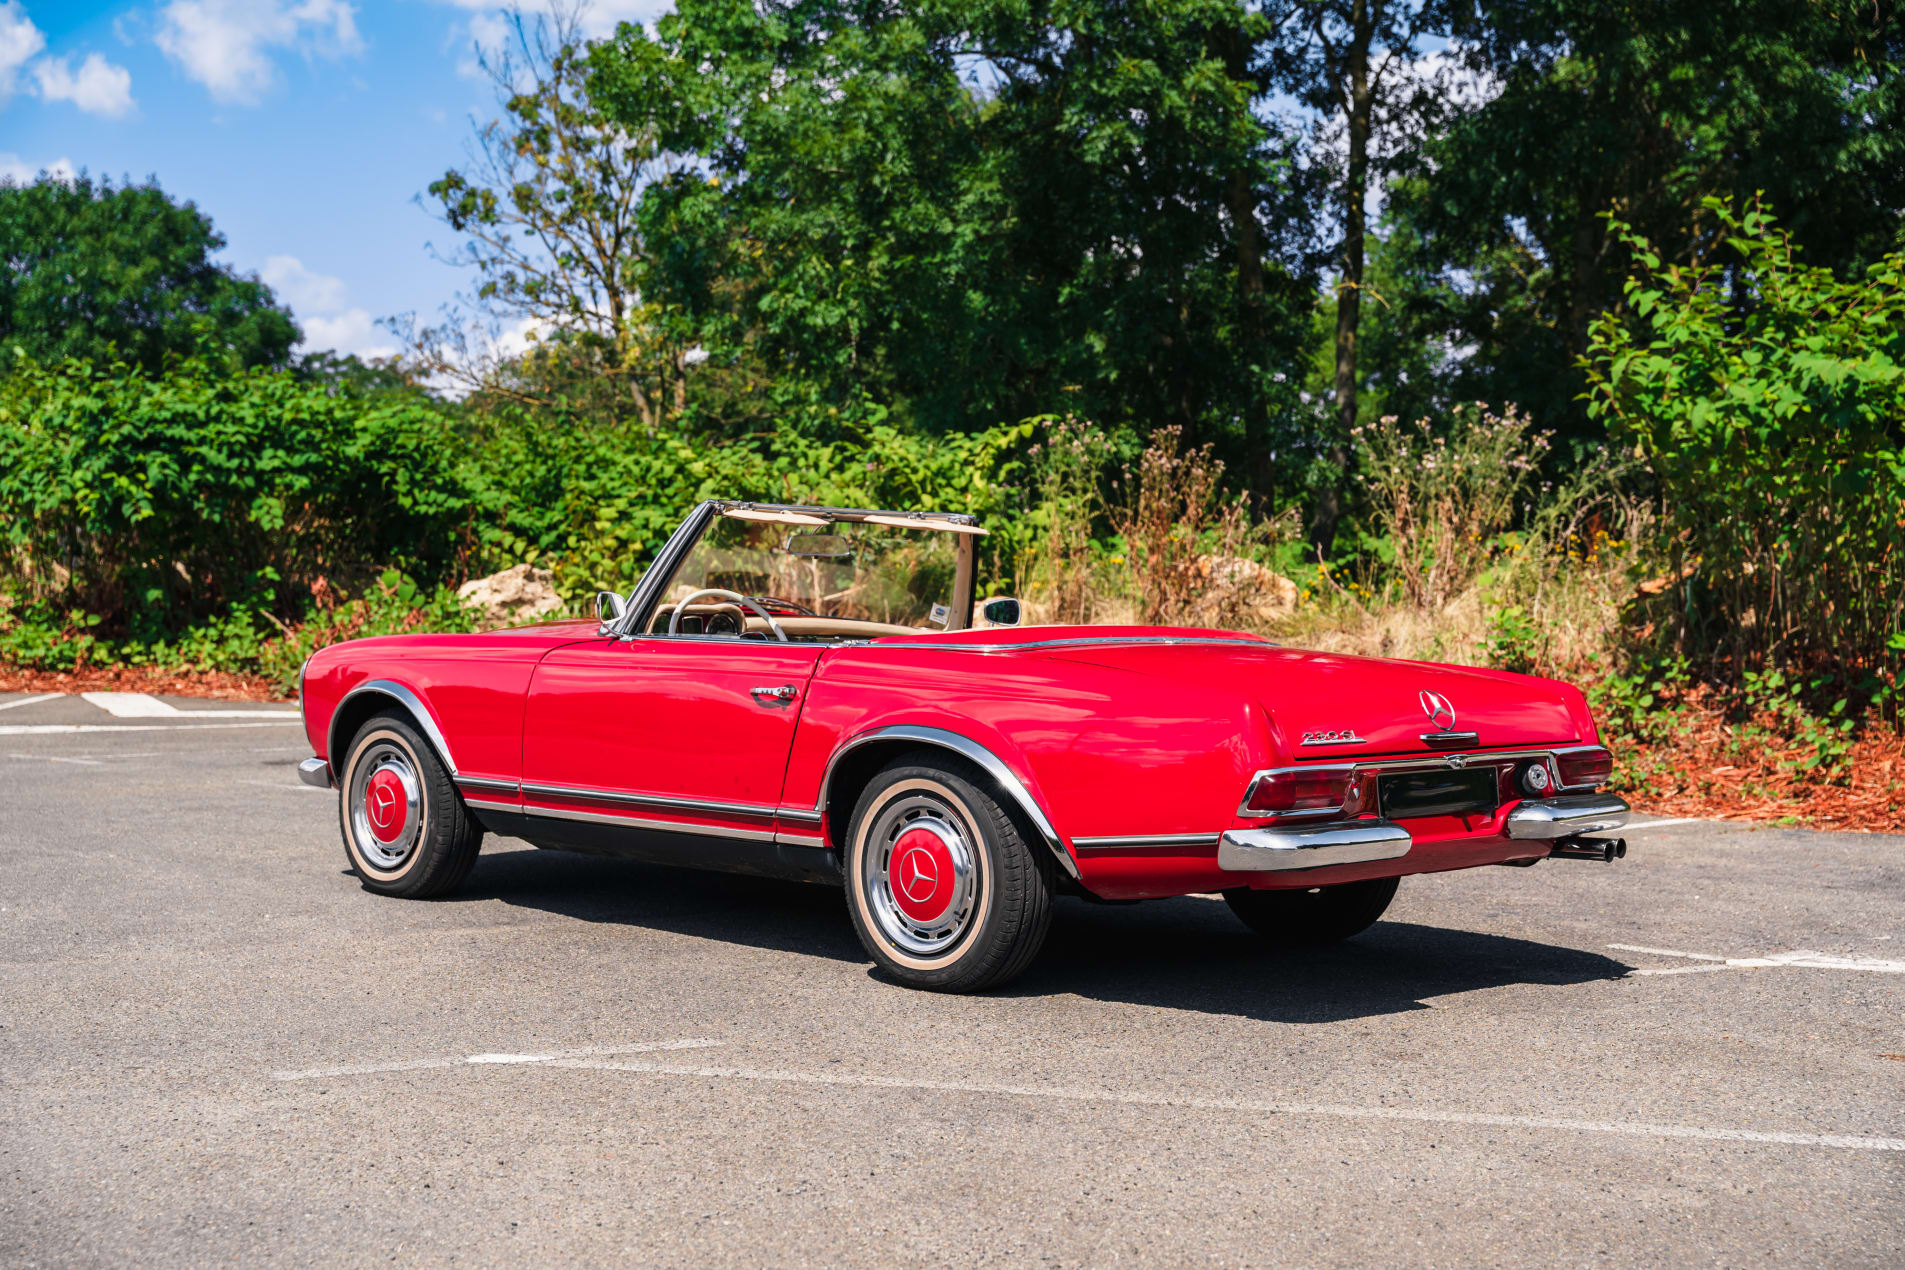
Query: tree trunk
{"type": "Point", "coordinates": [1240, 202]}
{"type": "Point", "coordinates": [1349, 289]}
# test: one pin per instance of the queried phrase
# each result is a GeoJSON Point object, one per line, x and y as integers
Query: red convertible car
{"type": "Point", "coordinates": [812, 693]}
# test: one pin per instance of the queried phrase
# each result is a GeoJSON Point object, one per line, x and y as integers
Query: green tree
{"type": "Point", "coordinates": [546, 210]}
{"type": "Point", "coordinates": [1769, 399]}
{"type": "Point", "coordinates": [87, 268]}
{"type": "Point", "coordinates": [979, 211]}
{"type": "Point", "coordinates": [1649, 107]}
{"type": "Point", "coordinates": [1356, 63]}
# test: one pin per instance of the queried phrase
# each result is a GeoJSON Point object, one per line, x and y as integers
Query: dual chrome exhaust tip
{"type": "Point", "coordinates": [1606, 850]}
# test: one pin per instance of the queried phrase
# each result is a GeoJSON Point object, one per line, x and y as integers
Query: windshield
{"type": "Point", "coordinates": [844, 579]}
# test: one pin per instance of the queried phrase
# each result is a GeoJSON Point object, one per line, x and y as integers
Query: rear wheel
{"type": "Point", "coordinates": [942, 887]}
{"type": "Point", "coordinates": [1304, 919]}
{"type": "Point", "coordinates": [406, 830]}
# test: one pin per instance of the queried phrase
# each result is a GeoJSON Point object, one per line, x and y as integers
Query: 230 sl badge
{"type": "Point", "coordinates": [1333, 736]}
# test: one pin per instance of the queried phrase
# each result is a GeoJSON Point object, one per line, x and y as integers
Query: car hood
{"type": "Point", "coordinates": [1357, 706]}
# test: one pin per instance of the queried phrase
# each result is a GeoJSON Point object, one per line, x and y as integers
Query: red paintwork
{"type": "Point", "coordinates": [1110, 740]}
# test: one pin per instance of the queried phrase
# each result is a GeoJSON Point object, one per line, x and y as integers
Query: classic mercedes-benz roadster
{"type": "Point", "coordinates": [814, 693]}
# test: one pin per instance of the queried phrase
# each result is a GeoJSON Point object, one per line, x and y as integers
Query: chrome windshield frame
{"type": "Point", "coordinates": [641, 601]}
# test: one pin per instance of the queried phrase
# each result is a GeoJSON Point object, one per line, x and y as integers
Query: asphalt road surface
{"type": "Point", "coordinates": [215, 1047]}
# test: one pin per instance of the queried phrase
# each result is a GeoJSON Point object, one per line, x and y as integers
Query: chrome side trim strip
{"type": "Point", "coordinates": [649, 800]}
{"type": "Point", "coordinates": [802, 814]}
{"type": "Point", "coordinates": [989, 762]}
{"type": "Point", "coordinates": [1283, 850]}
{"type": "Point", "coordinates": [1079, 641]}
{"type": "Point", "coordinates": [315, 772]}
{"type": "Point", "coordinates": [799, 839]}
{"type": "Point", "coordinates": [1136, 842]}
{"type": "Point", "coordinates": [489, 782]}
{"type": "Point", "coordinates": [1545, 818]}
{"type": "Point", "coordinates": [486, 805]}
{"type": "Point", "coordinates": [410, 701]}
{"type": "Point", "coordinates": [641, 822]}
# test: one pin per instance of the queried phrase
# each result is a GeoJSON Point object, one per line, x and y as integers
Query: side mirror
{"type": "Point", "coordinates": [1003, 610]}
{"type": "Point", "coordinates": [609, 607]}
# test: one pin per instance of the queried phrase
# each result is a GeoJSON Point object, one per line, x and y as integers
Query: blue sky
{"type": "Point", "coordinates": [304, 128]}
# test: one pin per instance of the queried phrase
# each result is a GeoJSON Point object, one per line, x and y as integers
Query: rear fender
{"type": "Point", "coordinates": [893, 737]}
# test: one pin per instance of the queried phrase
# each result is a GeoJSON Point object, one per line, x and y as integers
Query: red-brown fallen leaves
{"type": "Point", "coordinates": [1706, 770]}
{"type": "Point", "coordinates": [178, 683]}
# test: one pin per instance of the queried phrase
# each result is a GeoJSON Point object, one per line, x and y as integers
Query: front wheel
{"type": "Point", "coordinates": [942, 887]}
{"type": "Point", "coordinates": [406, 830]}
{"type": "Point", "coordinates": [1304, 919]}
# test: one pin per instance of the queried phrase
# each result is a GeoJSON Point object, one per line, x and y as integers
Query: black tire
{"type": "Point", "coordinates": [1305, 919]}
{"type": "Point", "coordinates": [406, 830]}
{"type": "Point", "coordinates": [933, 814]}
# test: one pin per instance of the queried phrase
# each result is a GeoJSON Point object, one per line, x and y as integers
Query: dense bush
{"type": "Point", "coordinates": [1769, 399]}
{"type": "Point", "coordinates": [594, 505]}
{"type": "Point", "coordinates": [156, 501]}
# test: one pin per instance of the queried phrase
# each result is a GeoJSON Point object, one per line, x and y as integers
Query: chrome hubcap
{"type": "Point", "coordinates": [919, 874]}
{"type": "Point", "coordinates": [386, 802]}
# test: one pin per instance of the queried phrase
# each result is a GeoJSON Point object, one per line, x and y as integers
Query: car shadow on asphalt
{"type": "Point", "coordinates": [760, 912]}
{"type": "Point", "coordinates": [1192, 954]}
{"type": "Point", "coordinates": [1182, 954]}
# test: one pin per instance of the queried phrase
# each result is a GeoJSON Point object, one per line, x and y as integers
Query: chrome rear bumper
{"type": "Point", "coordinates": [1564, 817]}
{"type": "Point", "coordinates": [315, 771]}
{"type": "Point", "coordinates": [1357, 841]}
{"type": "Point", "coordinates": [1275, 850]}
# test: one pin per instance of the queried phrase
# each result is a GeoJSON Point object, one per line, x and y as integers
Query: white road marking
{"type": "Point", "coordinates": [288, 787]}
{"type": "Point", "coordinates": [142, 705]}
{"type": "Point", "coordinates": [1064, 1093]}
{"type": "Point", "coordinates": [418, 1064]}
{"type": "Point", "coordinates": [1662, 824]}
{"type": "Point", "coordinates": [1803, 958]}
{"type": "Point", "coordinates": [1666, 952]}
{"type": "Point", "coordinates": [41, 729]}
{"type": "Point", "coordinates": [27, 701]}
{"type": "Point", "coordinates": [55, 758]}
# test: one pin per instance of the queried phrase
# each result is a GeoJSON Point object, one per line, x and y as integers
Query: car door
{"type": "Point", "coordinates": [671, 733]}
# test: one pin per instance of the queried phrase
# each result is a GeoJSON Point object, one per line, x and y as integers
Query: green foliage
{"type": "Point", "coordinates": [1770, 403]}
{"type": "Point", "coordinates": [1824, 739]}
{"type": "Point", "coordinates": [94, 271]}
{"type": "Point", "coordinates": [595, 506]}
{"type": "Point", "coordinates": [1648, 106]}
{"type": "Point", "coordinates": [1107, 228]}
{"type": "Point", "coordinates": [158, 501]}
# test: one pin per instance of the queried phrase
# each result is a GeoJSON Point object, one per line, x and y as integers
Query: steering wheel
{"type": "Point", "coordinates": [681, 605]}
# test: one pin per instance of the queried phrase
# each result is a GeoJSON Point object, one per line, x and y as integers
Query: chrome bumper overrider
{"type": "Point", "coordinates": [1257, 850]}
{"type": "Point", "coordinates": [1565, 817]}
{"type": "Point", "coordinates": [315, 771]}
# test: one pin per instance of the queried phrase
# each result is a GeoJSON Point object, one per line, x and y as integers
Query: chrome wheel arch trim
{"type": "Point", "coordinates": [973, 752]}
{"type": "Point", "coordinates": [412, 704]}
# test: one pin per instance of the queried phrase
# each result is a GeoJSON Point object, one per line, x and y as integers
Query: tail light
{"type": "Point", "coordinates": [1586, 768]}
{"type": "Point", "coordinates": [1342, 792]}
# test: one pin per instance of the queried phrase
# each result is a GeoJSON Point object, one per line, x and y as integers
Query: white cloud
{"type": "Point", "coordinates": [227, 45]}
{"type": "Point", "coordinates": [303, 289]}
{"type": "Point", "coordinates": [323, 308]}
{"type": "Point", "coordinates": [490, 30]}
{"type": "Point", "coordinates": [98, 87]}
{"type": "Point", "coordinates": [19, 41]}
{"type": "Point", "coordinates": [352, 331]}
{"type": "Point", "coordinates": [20, 172]}
{"type": "Point", "coordinates": [599, 17]}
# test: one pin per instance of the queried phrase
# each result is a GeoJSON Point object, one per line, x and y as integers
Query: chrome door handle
{"type": "Point", "coordinates": [786, 692]}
